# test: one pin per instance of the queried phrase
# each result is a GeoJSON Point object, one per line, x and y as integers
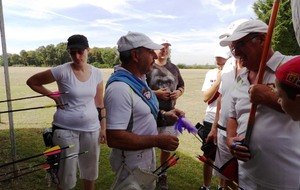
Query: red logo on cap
{"type": "Point", "coordinates": [293, 78]}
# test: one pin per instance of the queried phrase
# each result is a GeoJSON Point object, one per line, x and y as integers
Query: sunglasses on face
{"type": "Point", "coordinates": [75, 51]}
{"type": "Point", "coordinates": [241, 44]}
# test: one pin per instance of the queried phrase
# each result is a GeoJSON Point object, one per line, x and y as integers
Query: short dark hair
{"type": "Point", "coordinates": [125, 56]}
{"type": "Point", "coordinates": [290, 91]}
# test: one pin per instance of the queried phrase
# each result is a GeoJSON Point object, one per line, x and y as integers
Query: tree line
{"type": "Point", "coordinates": [52, 55]}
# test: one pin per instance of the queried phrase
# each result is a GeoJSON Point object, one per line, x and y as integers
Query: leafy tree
{"type": "Point", "coordinates": [39, 56]}
{"type": "Point", "coordinates": [95, 56]}
{"type": "Point", "coordinates": [284, 39]}
{"type": "Point", "coordinates": [50, 57]}
{"type": "Point", "coordinates": [14, 59]}
{"type": "Point", "coordinates": [109, 55]}
{"type": "Point", "coordinates": [24, 57]}
{"type": "Point", "coordinates": [62, 55]}
{"type": "Point", "coordinates": [31, 58]}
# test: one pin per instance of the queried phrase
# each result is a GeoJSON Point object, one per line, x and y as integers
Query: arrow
{"type": "Point", "coordinates": [40, 107]}
{"type": "Point", "coordinates": [51, 151]}
{"type": "Point", "coordinates": [164, 163]}
{"type": "Point", "coordinates": [227, 170]}
{"type": "Point", "coordinates": [45, 166]}
{"type": "Point", "coordinates": [185, 124]}
{"type": "Point", "coordinates": [52, 94]}
{"type": "Point", "coordinates": [203, 159]}
{"type": "Point", "coordinates": [172, 163]}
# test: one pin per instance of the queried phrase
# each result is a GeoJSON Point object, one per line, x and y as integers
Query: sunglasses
{"type": "Point", "coordinates": [74, 52]}
{"type": "Point", "coordinates": [241, 44]}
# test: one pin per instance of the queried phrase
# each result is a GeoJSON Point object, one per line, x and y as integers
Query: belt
{"type": "Point", "coordinates": [221, 127]}
{"type": "Point", "coordinates": [54, 127]}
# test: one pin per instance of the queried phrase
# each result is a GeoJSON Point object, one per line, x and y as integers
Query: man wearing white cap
{"type": "Point", "coordinates": [271, 162]}
{"type": "Point", "coordinates": [168, 85]}
{"type": "Point", "coordinates": [132, 110]}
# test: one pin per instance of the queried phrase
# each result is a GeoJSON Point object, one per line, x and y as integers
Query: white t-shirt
{"type": "Point", "coordinates": [274, 145]}
{"type": "Point", "coordinates": [80, 114]}
{"type": "Point", "coordinates": [211, 109]}
{"type": "Point", "coordinates": [119, 102]}
{"type": "Point", "coordinates": [227, 82]}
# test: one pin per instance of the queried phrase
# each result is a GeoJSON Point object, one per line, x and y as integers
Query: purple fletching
{"type": "Point", "coordinates": [186, 124]}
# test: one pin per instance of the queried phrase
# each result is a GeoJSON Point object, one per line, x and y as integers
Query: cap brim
{"type": "Point", "coordinates": [224, 35]}
{"type": "Point", "coordinates": [153, 46]}
{"type": "Point", "coordinates": [166, 43]}
{"type": "Point", "coordinates": [234, 37]}
{"type": "Point", "coordinates": [76, 46]}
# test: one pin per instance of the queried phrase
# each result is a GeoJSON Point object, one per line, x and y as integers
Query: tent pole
{"type": "Point", "coordinates": [7, 86]}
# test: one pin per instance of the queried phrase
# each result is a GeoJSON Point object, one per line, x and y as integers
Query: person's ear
{"type": "Point", "coordinates": [134, 54]}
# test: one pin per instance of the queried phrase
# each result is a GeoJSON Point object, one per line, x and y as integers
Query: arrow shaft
{"type": "Point", "coordinates": [30, 97]}
{"type": "Point", "coordinates": [209, 164]}
{"type": "Point", "coordinates": [164, 163]}
{"type": "Point", "coordinates": [197, 138]}
{"type": "Point", "coordinates": [168, 166]}
{"type": "Point", "coordinates": [51, 162]}
{"type": "Point", "coordinates": [22, 169]}
{"type": "Point", "coordinates": [39, 107]}
{"type": "Point", "coordinates": [35, 156]}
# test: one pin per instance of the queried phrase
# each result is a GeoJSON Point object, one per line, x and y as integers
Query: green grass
{"type": "Point", "coordinates": [186, 174]}
{"type": "Point", "coordinates": [28, 127]}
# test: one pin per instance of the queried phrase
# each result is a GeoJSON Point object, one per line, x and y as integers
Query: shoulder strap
{"type": "Point", "coordinates": [130, 124]}
{"type": "Point", "coordinates": [216, 95]}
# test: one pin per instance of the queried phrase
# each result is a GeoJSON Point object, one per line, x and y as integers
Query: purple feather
{"type": "Point", "coordinates": [185, 124]}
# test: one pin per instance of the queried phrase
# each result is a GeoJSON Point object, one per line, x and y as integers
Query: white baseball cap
{"type": "Point", "coordinates": [251, 26]}
{"type": "Point", "coordinates": [231, 27]}
{"type": "Point", "coordinates": [134, 40]}
{"type": "Point", "coordinates": [165, 42]}
{"type": "Point", "coordinates": [222, 52]}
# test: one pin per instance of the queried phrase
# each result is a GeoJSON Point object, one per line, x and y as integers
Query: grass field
{"type": "Point", "coordinates": [28, 127]}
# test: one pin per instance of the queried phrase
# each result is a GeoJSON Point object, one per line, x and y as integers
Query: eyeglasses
{"type": "Point", "coordinates": [74, 52]}
{"type": "Point", "coordinates": [241, 44]}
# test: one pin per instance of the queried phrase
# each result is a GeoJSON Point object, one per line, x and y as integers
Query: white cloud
{"type": "Point", "coordinates": [192, 27]}
{"type": "Point", "coordinates": [220, 5]}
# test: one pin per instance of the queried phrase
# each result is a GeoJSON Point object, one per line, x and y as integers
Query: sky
{"type": "Point", "coordinates": [192, 27]}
